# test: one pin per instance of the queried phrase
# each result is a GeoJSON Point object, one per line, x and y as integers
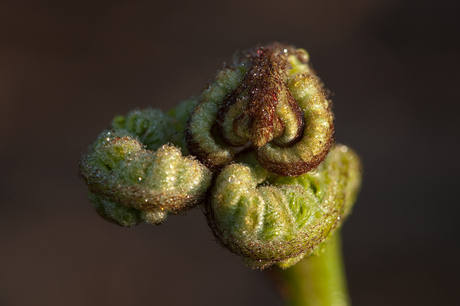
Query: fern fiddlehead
{"type": "Point", "coordinates": [269, 100]}
{"type": "Point", "coordinates": [133, 176]}
{"type": "Point", "coordinates": [256, 147]}
{"type": "Point", "coordinates": [273, 219]}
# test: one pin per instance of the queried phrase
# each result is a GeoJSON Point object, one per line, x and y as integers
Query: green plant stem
{"type": "Point", "coordinates": [318, 280]}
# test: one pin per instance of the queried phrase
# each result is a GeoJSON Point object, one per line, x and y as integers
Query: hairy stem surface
{"type": "Point", "coordinates": [318, 280]}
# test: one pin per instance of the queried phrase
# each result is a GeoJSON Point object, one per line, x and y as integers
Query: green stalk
{"type": "Point", "coordinates": [318, 280]}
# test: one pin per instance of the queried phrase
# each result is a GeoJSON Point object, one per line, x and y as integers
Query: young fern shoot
{"type": "Point", "coordinates": [255, 148]}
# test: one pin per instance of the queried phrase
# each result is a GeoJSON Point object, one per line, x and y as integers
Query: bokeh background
{"type": "Point", "coordinates": [68, 67]}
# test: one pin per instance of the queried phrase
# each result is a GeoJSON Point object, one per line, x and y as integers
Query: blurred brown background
{"type": "Point", "coordinates": [68, 67]}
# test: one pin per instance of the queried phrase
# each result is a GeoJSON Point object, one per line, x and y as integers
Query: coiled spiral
{"type": "Point", "coordinates": [133, 177]}
{"type": "Point", "coordinates": [269, 100]}
{"type": "Point", "coordinates": [270, 219]}
{"type": "Point", "coordinates": [257, 147]}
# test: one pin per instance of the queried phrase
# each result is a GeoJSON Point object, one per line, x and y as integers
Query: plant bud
{"type": "Point", "coordinates": [271, 100]}
{"type": "Point", "coordinates": [270, 219]}
{"type": "Point", "coordinates": [130, 183]}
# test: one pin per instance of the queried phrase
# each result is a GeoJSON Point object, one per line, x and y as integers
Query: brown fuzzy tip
{"type": "Point", "coordinates": [278, 108]}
